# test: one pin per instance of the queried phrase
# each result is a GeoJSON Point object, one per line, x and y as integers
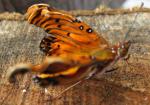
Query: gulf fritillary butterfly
{"type": "Point", "coordinates": [74, 51]}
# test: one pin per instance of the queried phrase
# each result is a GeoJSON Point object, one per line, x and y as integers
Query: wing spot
{"type": "Point", "coordinates": [48, 44]}
{"type": "Point", "coordinates": [47, 30]}
{"type": "Point", "coordinates": [81, 27]}
{"type": "Point", "coordinates": [89, 30]}
{"type": "Point", "coordinates": [57, 20]}
{"type": "Point", "coordinates": [58, 46]}
{"type": "Point", "coordinates": [68, 34]}
{"type": "Point", "coordinates": [59, 26]}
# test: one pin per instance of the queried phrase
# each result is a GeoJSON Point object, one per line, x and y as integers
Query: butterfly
{"type": "Point", "coordinates": [74, 51]}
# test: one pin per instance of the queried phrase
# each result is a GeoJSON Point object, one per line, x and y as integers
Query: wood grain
{"type": "Point", "coordinates": [129, 85]}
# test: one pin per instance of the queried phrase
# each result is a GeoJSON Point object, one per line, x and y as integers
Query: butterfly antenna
{"type": "Point", "coordinates": [132, 24]}
{"type": "Point", "coordinates": [59, 95]}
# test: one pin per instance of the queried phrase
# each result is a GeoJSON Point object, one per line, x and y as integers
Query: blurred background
{"type": "Point", "coordinates": [22, 5]}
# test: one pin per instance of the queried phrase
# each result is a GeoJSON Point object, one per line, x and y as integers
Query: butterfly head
{"type": "Point", "coordinates": [121, 49]}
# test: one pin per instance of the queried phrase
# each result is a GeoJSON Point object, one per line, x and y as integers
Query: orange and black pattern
{"type": "Point", "coordinates": [74, 51]}
{"type": "Point", "coordinates": [67, 32]}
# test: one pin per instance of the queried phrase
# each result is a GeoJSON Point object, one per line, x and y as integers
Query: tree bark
{"type": "Point", "coordinates": [129, 85]}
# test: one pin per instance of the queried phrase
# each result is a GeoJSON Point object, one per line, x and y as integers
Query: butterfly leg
{"type": "Point", "coordinates": [73, 85]}
{"type": "Point", "coordinates": [68, 88]}
{"type": "Point", "coordinates": [126, 58]}
{"type": "Point", "coordinates": [44, 80]}
{"type": "Point", "coordinates": [111, 70]}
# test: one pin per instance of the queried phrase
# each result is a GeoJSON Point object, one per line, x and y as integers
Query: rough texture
{"type": "Point", "coordinates": [129, 85]}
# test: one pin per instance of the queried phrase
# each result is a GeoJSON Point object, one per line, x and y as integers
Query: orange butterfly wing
{"type": "Point", "coordinates": [75, 51]}
{"type": "Point", "coordinates": [66, 32]}
{"type": "Point", "coordinates": [68, 38]}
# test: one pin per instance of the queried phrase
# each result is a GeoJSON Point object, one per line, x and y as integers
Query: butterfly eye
{"type": "Point", "coordinates": [113, 50]}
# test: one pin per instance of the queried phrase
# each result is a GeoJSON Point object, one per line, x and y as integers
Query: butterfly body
{"type": "Point", "coordinates": [74, 51]}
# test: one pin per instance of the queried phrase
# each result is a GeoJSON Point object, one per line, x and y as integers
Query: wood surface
{"type": "Point", "coordinates": [128, 85]}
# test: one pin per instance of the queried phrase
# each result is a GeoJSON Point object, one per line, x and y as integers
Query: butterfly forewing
{"type": "Point", "coordinates": [70, 39]}
{"type": "Point", "coordinates": [66, 29]}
